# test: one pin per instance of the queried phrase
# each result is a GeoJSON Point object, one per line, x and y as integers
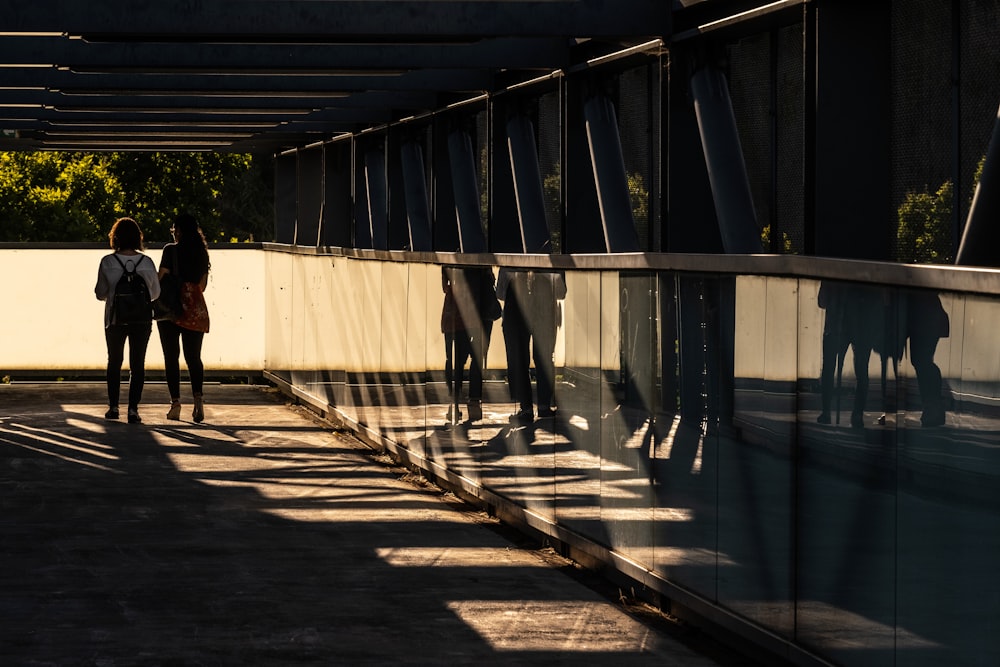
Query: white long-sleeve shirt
{"type": "Point", "coordinates": [110, 272]}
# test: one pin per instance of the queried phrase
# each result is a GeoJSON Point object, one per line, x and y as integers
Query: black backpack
{"type": "Point", "coordinates": [131, 303]}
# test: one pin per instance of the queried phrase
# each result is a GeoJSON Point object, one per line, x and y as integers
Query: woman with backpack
{"type": "Point", "coordinates": [126, 282]}
{"type": "Point", "coordinates": [187, 259]}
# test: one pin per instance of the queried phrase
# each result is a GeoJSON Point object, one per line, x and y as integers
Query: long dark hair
{"type": "Point", "coordinates": [192, 249]}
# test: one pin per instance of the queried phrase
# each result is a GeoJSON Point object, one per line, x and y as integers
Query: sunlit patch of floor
{"type": "Point", "coordinates": [838, 629]}
{"type": "Point", "coordinates": [577, 626]}
{"type": "Point", "coordinates": [459, 557]}
{"type": "Point", "coordinates": [58, 444]}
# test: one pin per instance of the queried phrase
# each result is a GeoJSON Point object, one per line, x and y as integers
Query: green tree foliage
{"type": "Point", "coordinates": [924, 232]}
{"type": "Point", "coordinates": [786, 241]}
{"type": "Point", "coordinates": [552, 190]}
{"type": "Point", "coordinates": [639, 198]}
{"type": "Point", "coordinates": [52, 196]}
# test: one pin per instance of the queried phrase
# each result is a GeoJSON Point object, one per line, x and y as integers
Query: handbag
{"type": "Point", "coordinates": [168, 306]}
{"type": "Point", "coordinates": [195, 315]}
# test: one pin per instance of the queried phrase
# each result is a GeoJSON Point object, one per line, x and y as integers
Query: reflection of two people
{"type": "Point", "coordinates": [867, 318]}
{"type": "Point", "coordinates": [470, 306]}
{"type": "Point", "coordinates": [531, 316]}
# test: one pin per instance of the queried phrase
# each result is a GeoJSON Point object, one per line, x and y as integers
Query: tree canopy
{"type": "Point", "coordinates": [68, 197]}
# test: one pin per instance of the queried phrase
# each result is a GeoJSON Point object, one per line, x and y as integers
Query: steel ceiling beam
{"type": "Point", "coordinates": [151, 56]}
{"type": "Point", "coordinates": [333, 20]}
{"type": "Point", "coordinates": [278, 74]}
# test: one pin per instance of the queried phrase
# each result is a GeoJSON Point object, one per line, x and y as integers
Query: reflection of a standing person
{"type": "Point", "coordinates": [470, 306]}
{"type": "Point", "coordinates": [926, 322]}
{"type": "Point", "coordinates": [855, 317]}
{"type": "Point", "coordinates": [530, 319]}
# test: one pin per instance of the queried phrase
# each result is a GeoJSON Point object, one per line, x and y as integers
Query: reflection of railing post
{"type": "Point", "coordinates": [692, 342]}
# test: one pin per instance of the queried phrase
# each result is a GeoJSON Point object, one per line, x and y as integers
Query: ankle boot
{"type": "Point", "coordinates": [198, 413]}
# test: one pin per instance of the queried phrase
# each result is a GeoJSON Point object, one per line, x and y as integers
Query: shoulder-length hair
{"type": "Point", "coordinates": [126, 235]}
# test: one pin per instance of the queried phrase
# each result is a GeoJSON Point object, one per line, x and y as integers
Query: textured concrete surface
{"type": "Point", "coordinates": [260, 537]}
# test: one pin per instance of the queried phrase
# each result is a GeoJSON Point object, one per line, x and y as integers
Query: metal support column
{"type": "Point", "coordinates": [463, 175]}
{"type": "Point", "coordinates": [309, 197]}
{"type": "Point", "coordinates": [982, 231]}
{"type": "Point", "coordinates": [418, 217]}
{"type": "Point", "coordinates": [377, 193]}
{"type": "Point", "coordinates": [285, 206]}
{"type": "Point", "coordinates": [528, 191]}
{"type": "Point", "coordinates": [724, 157]}
{"type": "Point", "coordinates": [609, 175]}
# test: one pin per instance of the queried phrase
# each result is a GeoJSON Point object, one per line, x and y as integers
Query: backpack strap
{"type": "Point", "coordinates": [135, 265]}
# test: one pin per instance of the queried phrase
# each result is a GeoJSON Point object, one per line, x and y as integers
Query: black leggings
{"type": "Point", "coordinates": [172, 338]}
{"type": "Point", "coordinates": [138, 338]}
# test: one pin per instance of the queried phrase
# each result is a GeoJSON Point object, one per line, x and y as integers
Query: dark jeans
{"type": "Point", "coordinates": [137, 336]}
{"type": "Point", "coordinates": [457, 350]}
{"type": "Point", "coordinates": [530, 334]}
{"type": "Point", "coordinates": [459, 347]}
{"type": "Point", "coordinates": [172, 339]}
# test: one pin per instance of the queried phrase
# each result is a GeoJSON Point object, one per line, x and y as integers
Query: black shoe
{"type": "Point", "coordinates": [932, 417]}
{"type": "Point", "coordinates": [112, 413]}
{"type": "Point", "coordinates": [198, 411]}
{"type": "Point", "coordinates": [475, 407]}
{"type": "Point", "coordinates": [546, 413]}
{"type": "Point", "coordinates": [522, 417]}
{"type": "Point", "coordinates": [133, 417]}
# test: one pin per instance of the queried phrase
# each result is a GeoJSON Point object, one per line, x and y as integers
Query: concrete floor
{"type": "Point", "coordinates": [261, 537]}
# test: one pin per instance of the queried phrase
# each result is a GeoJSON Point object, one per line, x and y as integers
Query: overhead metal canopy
{"type": "Point", "coordinates": [266, 75]}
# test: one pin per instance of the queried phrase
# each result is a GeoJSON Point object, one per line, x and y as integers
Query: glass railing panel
{"type": "Point", "coordinates": [364, 331]}
{"type": "Point", "coordinates": [756, 454]}
{"type": "Point", "coordinates": [519, 463]}
{"type": "Point", "coordinates": [346, 301]}
{"type": "Point", "coordinates": [685, 458]}
{"type": "Point", "coordinates": [390, 384]}
{"type": "Point", "coordinates": [468, 411]}
{"type": "Point", "coordinates": [409, 425]}
{"type": "Point", "coordinates": [948, 469]}
{"type": "Point", "coordinates": [439, 415]}
{"type": "Point", "coordinates": [846, 484]}
{"type": "Point", "coordinates": [577, 454]}
{"type": "Point", "coordinates": [277, 320]}
{"type": "Point", "coordinates": [486, 424]}
{"type": "Point", "coordinates": [300, 296]}
{"type": "Point", "coordinates": [318, 324]}
{"type": "Point", "coordinates": [628, 411]}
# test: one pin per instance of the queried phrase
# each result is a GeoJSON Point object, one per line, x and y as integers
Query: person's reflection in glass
{"type": "Point", "coordinates": [531, 316]}
{"type": "Point", "coordinates": [926, 323]}
{"type": "Point", "coordinates": [857, 316]}
{"type": "Point", "coordinates": [470, 307]}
